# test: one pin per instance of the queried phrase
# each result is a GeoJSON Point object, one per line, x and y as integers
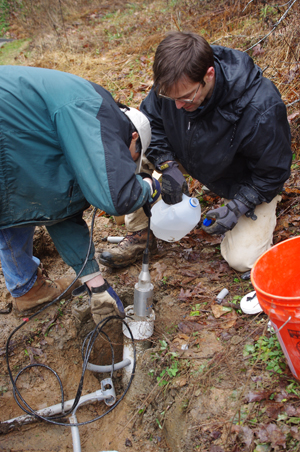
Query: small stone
{"type": "Point", "coordinates": [128, 443]}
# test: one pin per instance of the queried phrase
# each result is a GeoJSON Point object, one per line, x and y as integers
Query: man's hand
{"type": "Point", "coordinates": [173, 183]}
{"type": "Point", "coordinates": [224, 218]}
{"type": "Point", "coordinates": [103, 300]}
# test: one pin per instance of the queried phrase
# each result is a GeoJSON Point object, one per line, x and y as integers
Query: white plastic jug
{"type": "Point", "coordinates": [172, 222]}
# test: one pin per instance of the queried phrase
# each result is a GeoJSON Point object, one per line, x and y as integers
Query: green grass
{"type": "Point", "coordinates": [11, 50]}
{"type": "Point", "coordinates": [4, 17]}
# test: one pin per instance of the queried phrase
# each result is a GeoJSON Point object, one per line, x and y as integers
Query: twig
{"type": "Point", "coordinates": [275, 26]}
{"type": "Point", "coordinates": [63, 21]}
{"type": "Point", "coordinates": [292, 103]}
{"type": "Point", "coordinates": [288, 207]}
{"type": "Point", "coordinates": [247, 5]}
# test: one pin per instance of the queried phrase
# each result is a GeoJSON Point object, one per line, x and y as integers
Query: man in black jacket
{"type": "Point", "coordinates": [212, 110]}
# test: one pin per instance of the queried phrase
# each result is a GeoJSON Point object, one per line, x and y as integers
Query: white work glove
{"type": "Point", "coordinates": [103, 300]}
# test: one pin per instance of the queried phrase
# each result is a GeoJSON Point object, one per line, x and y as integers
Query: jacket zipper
{"type": "Point", "coordinates": [189, 129]}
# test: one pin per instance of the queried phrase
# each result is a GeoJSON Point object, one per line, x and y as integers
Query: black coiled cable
{"type": "Point", "coordinates": [88, 344]}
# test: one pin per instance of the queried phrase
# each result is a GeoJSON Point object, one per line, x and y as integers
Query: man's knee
{"type": "Point", "coordinates": [238, 262]}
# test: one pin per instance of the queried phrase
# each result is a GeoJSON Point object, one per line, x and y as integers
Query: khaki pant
{"type": "Point", "coordinates": [240, 247]}
{"type": "Point", "coordinates": [249, 239]}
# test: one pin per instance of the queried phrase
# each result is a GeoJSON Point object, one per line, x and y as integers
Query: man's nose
{"type": "Point", "coordinates": [179, 104]}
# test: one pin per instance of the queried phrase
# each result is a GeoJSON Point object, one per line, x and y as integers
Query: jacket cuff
{"type": "Point", "coordinates": [249, 196]}
{"type": "Point", "coordinates": [160, 159]}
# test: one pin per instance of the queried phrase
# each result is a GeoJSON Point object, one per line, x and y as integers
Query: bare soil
{"type": "Point", "coordinates": [194, 409]}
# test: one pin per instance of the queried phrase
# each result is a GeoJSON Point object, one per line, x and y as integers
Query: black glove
{"type": "Point", "coordinates": [173, 183]}
{"type": "Point", "coordinates": [155, 193]}
{"type": "Point", "coordinates": [226, 217]}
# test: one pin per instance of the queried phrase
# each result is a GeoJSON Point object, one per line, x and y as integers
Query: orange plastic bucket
{"type": "Point", "coordinates": [276, 280]}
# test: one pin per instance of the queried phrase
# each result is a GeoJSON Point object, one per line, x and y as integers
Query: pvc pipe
{"type": "Point", "coordinates": [109, 368]}
{"type": "Point", "coordinates": [55, 409]}
{"type": "Point", "coordinates": [112, 239]}
{"type": "Point", "coordinates": [75, 434]}
{"type": "Point", "coordinates": [221, 295]}
{"type": "Point", "coordinates": [142, 329]}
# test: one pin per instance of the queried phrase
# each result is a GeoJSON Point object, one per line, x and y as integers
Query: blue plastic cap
{"type": "Point", "coordinates": [207, 222]}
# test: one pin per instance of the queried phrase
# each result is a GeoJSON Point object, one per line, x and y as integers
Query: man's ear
{"type": "Point", "coordinates": [132, 146]}
{"type": "Point", "coordinates": [135, 136]}
{"type": "Point", "coordinates": [210, 74]}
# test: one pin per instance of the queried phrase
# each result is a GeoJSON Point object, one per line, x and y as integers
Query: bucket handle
{"type": "Point", "coordinates": [285, 323]}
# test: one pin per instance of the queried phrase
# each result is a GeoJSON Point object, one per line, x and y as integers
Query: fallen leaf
{"type": "Point", "coordinates": [291, 410]}
{"type": "Point", "coordinates": [271, 433]}
{"type": "Point", "coordinates": [180, 344]}
{"type": "Point", "coordinates": [228, 321]}
{"type": "Point", "coordinates": [293, 115]}
{"type": "Point", "coordinates": [160, 268]}
{"type": "Point", "coordinates": [245, 434]}
{"type": "Point", "coordinates": [180, 382]}
{"type": "Point", "coordinates": [216, 449]}
{"type": "Point", "coordinates": [295, 433]}
{"type": "Point", "coordinates": [190, 327]}
{"type": "Point", "coordinates": [258, 50]}
{"type": "Point", "coordinates": [273, 409]}
{"type": "Point", "coordinates": [219, 310]}
{"type": "Point", "coordinates": [257, 396]}
{"type": "Point", "coordinates": [188, 273]}
{"type": "Point", "coordinates": [185, 295]}
{"type": "Point", "coordinates": [207, 238]}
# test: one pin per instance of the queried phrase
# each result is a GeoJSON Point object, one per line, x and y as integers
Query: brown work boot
{"type": "Point", "coordinates": [43, 291]}
{"type": "Point", "coordinates": [128, 250]}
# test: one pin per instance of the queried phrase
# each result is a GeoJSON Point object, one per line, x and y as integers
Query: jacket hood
{"type": "Point", "coordinates": [237, 80]}
{"type": "Point", "coordinates": [241, 79]}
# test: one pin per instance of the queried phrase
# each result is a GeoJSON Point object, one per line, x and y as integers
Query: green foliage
{"type": "Point", "coordinates": [293, 388]}
{"type": "Point", "coordinates": [163, 345]}
{"type": "Point", "coordinates": [3, 389]}
{"type": "Point", "coordinates": [268, 10]}
{"type": "Point", "coordinates": [4, 16]}
{"type": "Point", "coordinates": [236, 300]}
{"type": "Point", "coordinates": [171, 364]}
{"type": "Point", "coordinates": [11, 50]}
{"type": "Point", "coordinates": [196, 310]}
{"type": "Point", "coordinates": [164, 280]}
{"type": "Point", "coordinates": [170, 371]}
{"type": "Point", "coordinates": [267, 350]}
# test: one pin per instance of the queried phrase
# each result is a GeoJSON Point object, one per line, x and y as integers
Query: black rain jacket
{"type": "Point", "coordinates": [238, 144]}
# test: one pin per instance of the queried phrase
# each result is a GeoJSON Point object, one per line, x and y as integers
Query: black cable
{"type": "Point", "coordinates": [146, 250]}
{"type": "Point", "coordinates": [91, 340]}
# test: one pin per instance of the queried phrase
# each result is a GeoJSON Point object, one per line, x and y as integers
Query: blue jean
{"type": "Point", "coordinates": [19, 266]}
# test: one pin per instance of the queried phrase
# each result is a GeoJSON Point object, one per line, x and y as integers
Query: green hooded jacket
{"type": "Point", "coordinates": [63, 146]}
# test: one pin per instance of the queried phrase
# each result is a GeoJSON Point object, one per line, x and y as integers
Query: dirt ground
{"type": "Point", "coordinates": [190, 386]}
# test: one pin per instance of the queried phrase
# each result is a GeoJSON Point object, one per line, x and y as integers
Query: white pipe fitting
{"type": "Point", "coordinates": [142, 329]}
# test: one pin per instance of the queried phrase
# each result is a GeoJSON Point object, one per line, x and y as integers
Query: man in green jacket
{"type": "Point", "coordinates": [65, 144]}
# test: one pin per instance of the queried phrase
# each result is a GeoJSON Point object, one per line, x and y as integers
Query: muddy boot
{"type": "Point", "coordinates": [128, 250]}
{"type": "Point", "coordinates": [43, 291]}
